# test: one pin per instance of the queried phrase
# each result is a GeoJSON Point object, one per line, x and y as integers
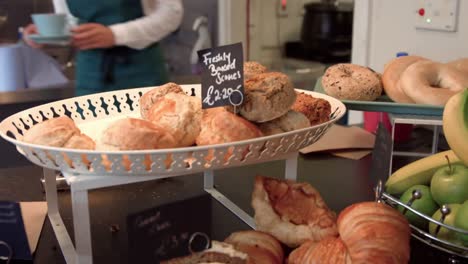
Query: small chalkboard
{"type": "Point", "coordinates": [169, 230]}
{"type": "Point", "coordinates": [13, 239]}
{"type": "Point", "coordinates": [381, 156]}
{"type": "Point", "coordinates": [222, 75]}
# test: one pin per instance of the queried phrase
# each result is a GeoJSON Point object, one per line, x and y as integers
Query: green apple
{"type": "Point", "coordinates": [450, 184]}
{"type": "Point", "coordinates": [424, 204]}
{"type": "Point", "coordinates": [445, 233]}
{"type": "Point", "coordinates": [461, 221]}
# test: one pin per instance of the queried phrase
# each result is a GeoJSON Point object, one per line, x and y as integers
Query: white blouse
{"type": "Point", "coordinates": [161, 18]}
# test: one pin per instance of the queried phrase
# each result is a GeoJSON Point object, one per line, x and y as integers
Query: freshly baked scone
{"type": "Point", "coordinates": [267, 96]}
{"type": "Point", "coordinates": [262, 248]}
{"type": "Point", "coordinates": [179, 114]}
{"type": "Point", "coordinates": [219, 252]}
{"type": "Point", "coordinates": [221, 126]}
{"type": "Point", "coordinates": [80, 141]}
{"type": "Point", "coordinates": [54, 132]}
{"type": "Point", "coordinates": [352, 82]}
{"type": "Point", "coordinates": [135, 134]}
{"type": "Point", "coordinates": [292, 212]}
{"type": "Point", "coordinates": [292, 120]}
{"type": "Point", "coordinates": [149, 98]}
{"type": "Point", "coordinates": [317, 110]}
{"type": "Point", "coordinates": [252, 68]}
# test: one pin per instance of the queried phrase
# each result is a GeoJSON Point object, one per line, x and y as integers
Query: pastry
{"type": "Point", "coordinates": [292, 212]}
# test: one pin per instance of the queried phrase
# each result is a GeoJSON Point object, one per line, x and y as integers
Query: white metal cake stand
{"type": "Point", "coordinates": [93, 113]}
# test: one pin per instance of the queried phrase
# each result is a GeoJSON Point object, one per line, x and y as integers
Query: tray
{"type": "Point", "coordinates": [385, 104]}
{"type": "Point", "coordinates": [92, 114]}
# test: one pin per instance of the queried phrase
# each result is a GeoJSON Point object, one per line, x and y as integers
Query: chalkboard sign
{"type": "Point", "coordinates": [222, 75]}
{"type": "Point", "coordinates": [381, 156]}
{"type": "Point", "coordinates": [13, 239]}
{"type": "Point", "coordinates": [167, 231]}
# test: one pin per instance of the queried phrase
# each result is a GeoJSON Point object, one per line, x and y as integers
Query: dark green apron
{"type": "Point", "coordinates": [102, 70]}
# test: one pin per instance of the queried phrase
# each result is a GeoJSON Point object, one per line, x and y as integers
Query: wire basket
{"type": "Point", "coordinates": [421, 235]}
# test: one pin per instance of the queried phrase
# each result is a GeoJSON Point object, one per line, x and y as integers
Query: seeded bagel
{"type": "Point", "coordinates": [352, 82]}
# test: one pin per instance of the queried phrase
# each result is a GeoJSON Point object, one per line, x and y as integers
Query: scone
{"type": "Point", "coordinates": [179, 114]}
{"type": "Point", "coordinates": [262, 248]}
{"type": "Point", "coordinates": [60, 132]}
{"type": "Point", "coordinates": [292, 120]}
{"type": "Point", "coordinates": [150, 97]}
{"type": "Point", "coordinates": [267, 96]}
{"type": "Point", "coordinates": [221, 126]}
{"type": "Point", "coordinates": [135, 134]}
{"type": "Point", "coordinates": [317, 110]}
{"type": "Point", "coordinates": [252, 68]}
{"type": "Point", "coordinates": [219, 252]}
{"type": "Point", "coordinates": [292, 212]}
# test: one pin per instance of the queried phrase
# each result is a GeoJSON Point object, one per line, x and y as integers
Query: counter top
{"type": "Point", "coordinates": [36, 95]}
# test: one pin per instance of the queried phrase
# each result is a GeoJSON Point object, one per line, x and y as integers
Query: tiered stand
{"type": "Point", "coordinates": [85, 170]}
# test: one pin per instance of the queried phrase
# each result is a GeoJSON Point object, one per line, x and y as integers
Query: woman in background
{"type": "Point", "coordinates": [118, 41]}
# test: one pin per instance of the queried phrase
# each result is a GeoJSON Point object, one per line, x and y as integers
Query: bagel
{"type": "Point", "coordinates": [460, 64]}
{"type": "Point", "coordinates": [352, 82]}
{"type": "Point", "coordinates": [391, 76]}
{"type": "Point", "coordinates": [432, 83]}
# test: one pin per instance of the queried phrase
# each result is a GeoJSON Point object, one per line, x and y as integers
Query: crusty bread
{"type": "Point", "coordinates": [352, 82]}
{"type": "Point", "coordinates": [292, 212]}
{"type": "Point", "coordinates": [135, 134]}
{"type": "Point", "coordinates": [252, 68]}
{"type": "Point", "coordinates": [267, 96]}
{"type": "Point", "coordinates": [292, 120]}
{"type": "Point", "coordinates": [180, 115]}
{"type": "Point", "coordinates": [391, 77]}
{"type": "Point", "coordinates": [221, 126]}
{"type": "Point", "coordinates": [262, 248]}
{"type": "Point", "coordinates": [150, 97]}
{"type": "Point", "coordinates": [317, 110]}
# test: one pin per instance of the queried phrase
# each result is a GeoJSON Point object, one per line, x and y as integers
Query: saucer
{"type": "Point", "coordinates": [60, 40]}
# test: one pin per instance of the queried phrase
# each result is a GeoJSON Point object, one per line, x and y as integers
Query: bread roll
{"type": "Point", "coordinates": [180, 115]}
{"type": "Point", "coordinates": [460, 64]}
{"type": "Point", "coordinates": [150, 97]}
{"type": "Point", "coordinates": [252, 68]}
{"type": "Point", "coordinates": [267, 96]}
{"type": "Point", "coordinates": [292, 120]}
{"type": "Point", "coordinates": [261, 247]}
{"type": "Point", "coordinates": [221, 126]}
{"type": "Point", "coordinates": [135, 134]}
{"type": "Point", "coordinates": [292, 212]}
{"type": "Point", "coordinates": [391, 77]}
{"type": "Point", "coordinates": [317, 110]}
{"type": "Point", "coordinates": [352, 82]}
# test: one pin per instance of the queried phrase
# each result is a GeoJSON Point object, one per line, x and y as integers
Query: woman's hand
{"type": "Point", "coordinates": [92, 36]}
{"type": "Point", "coordinates": [30, 30]}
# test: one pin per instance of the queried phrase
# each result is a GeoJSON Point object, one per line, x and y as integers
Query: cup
{"type": "Point", "coordinates": [51, 25]}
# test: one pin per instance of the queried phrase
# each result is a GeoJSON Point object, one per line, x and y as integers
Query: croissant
{"type": "Point", "coordinates": [262, 248]}
{"type": "Point", "coordinates": [369, 232]}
